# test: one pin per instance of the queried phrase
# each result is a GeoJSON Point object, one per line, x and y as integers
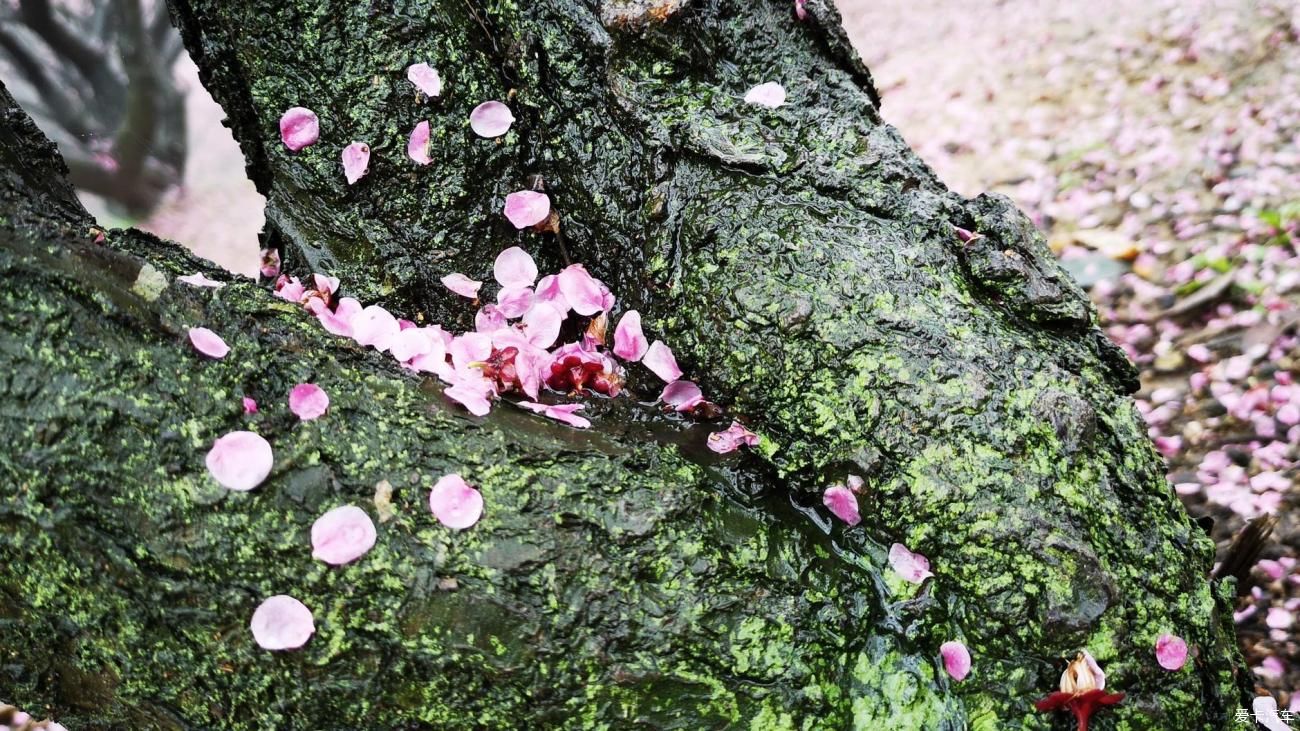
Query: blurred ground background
{"type": "Point", "coordinates": [1156, 143]}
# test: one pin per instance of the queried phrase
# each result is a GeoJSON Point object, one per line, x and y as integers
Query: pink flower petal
{"type": "Point", "coordinates": [514, 268]}
{"type": "Point", "coordinates": [682, 395]}
{"type": "Point", "coordinates": [841, 501]}
{"type": "Point", "coordinates": [491, 119]}
{"type": "Point", "coordinates": [912, 567]}
{"type": "Point", "coordinates": [514, 301]}
{"type": "Point", "coordinates": [1171, 652]}
{"type": "Point", "coordinates": [299, 128]}
{"type": "Point", "coordinates": [956, 659]}
{"type": "Point", "coordinates": [471, 390]}
{"type": "Point", "coordinates": [454, 503]}
{"type": "Point", "coordinates": [771, 95]}
{"type": "Point", "coordinates": [489, 319]}
{"type": "Point", "coordinates": [326, 285]}
{"type": "Point", "coordinates": [270, 266]}
{"type": "Point", "coordinates": [208, 343]}
{"type": "Point", "coordinates": [799, 11]}
{"type": "Point", "coordinates": [199, 279]}
{"type": "Point", "coordinates": [418, 146]}
{"type": "Point", "coordinates": [659, 359]}
{"type": "Point", "coordinates": [240, 460]}
{"type": "Point", "coordinates": [542, 324]}
{"type": "Point", "coordinates": [356, 161]}
{"type": "Point", "coordinates": [250, 406]}
{"type": "Point", "coordinates": [410, 343]}
{"type": "Point", "coordinates": [527, 208]}
{"type": "Point", "coordinates": [308, 401]}
{"type": "Point", "coordinates": [731, 438]}
{"type": "Point", "coordinates": [548, 290]}
{"type": "Point", "coordinates": [338, 322]}
{"type": "Point", "coordinates": [629, 342]}
{"type": "Point", "coordinates": [470, 348]}
{"type": "Point", "coordinates": [342, 535]}
{"type": "Point", "coordinates": [374, 326]}
{"type": "Point", "coordinates": [462, 285]}
{"type": "Point", "coordinates": [581, 290]}
{"type": "Point", "coordinates": [425, 78]}
{"type": "Point", "coordinates": [559, 412]}
{"type": "Point", "coordinates": [282, 623]}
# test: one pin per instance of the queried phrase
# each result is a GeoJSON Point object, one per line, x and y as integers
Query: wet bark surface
{"type": "Point", "coordinates": [802, 261]}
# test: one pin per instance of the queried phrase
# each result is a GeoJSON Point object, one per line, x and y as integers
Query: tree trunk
{"type": "Point", "coordinates": [804, 265]}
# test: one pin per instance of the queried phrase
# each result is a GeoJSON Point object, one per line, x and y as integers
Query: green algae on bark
{"type": "Point", "coordinates": [802, 262]}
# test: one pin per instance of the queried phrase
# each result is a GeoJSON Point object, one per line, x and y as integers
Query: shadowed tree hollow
{"type": "Point", "coordinates": [802, 262]}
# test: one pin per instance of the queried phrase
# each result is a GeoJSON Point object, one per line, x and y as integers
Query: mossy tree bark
{"type": "Point", "coordinates": [803, 263]}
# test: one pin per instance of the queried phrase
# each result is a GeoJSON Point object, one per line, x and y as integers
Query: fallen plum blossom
{"type": "Point", "coordinates": [208, 343]}
{"type": "Point", "coordinates": [660, 360]}
{"type": "Point", "coordinates": [270, 265]}
{"type": "Point", "coordinates": [356, 161]}
{"type": "Point", "coordinates": [299, 128]}
{"type": "Point", "coordinates": [1083, 690]}
{"type": "Point", "coordinates": [574, 367]}
{"type": "Point", "coordinates": [282, 623]}
{"type": "Point", "coordinates": [342, 535]}
{"type": "Point", "coordinates": [418, 146]}
{"type": "Point", "coordinates": [454, 503]}
{"type": "Point", "coordinates": [199, 279]}
{"type": "Point", "coordinates": [913, 567]}
{"type": "Point", "coordinates": [770, 95]}
{"type": "Point", "coordinates": [462, 285]}
{"type": "Point", "coordinates": [842, 503]}
{"type": "Point", "coordinates": [491, 119]}
{"type": "Point", "coordinates": [956, 659]}
{"type": "Point", "coordinates": [425, 78]}
{"type": "Point", "coordinates": [731, 438]}
{"type": "Point", "coordinates": [559, 412]}
{"type": "Point", "coordinates": [1171, 652]}
{"type": "Point", "coordinates": [527, 208]}
{"type": "Point", "coordinates": [240, 460]}
{"type": "Point", "coordinates": [308, 401]}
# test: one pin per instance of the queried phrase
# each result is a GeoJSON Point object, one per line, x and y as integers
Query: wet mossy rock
{"type": "Point", "coordinates": [803, 264]}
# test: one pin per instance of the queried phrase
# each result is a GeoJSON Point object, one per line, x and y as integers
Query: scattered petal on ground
{"type": "Point", "coordinates": [425, 78]}
{"type": "Point", "coordinates": [1171, 652]}
{"type": "Point", "coordinates": [559, 412]}
{"type": "Point", "coordinates": [282, 623]}
{"type": "Point", "coordinates": [491, 119]}
{"type": "Point", "coordinates": [956, 659]}
{"type": "Point", "coordinates": [731, 439]}
{"type": "Point", "coordinates": [342, 535]}
{"type": "Point", "coordinates": [250, 406]}
{"type": "Point", "coordinates": [682, 395]}
{"type": "Point", "coordinates": [462, 285]}
{"type": "Point", "coordinates": [199, 279]}
{"type": "Point", "coordinates": [581, 291]}
{"type": "Point", "coordinates": [308, 401]}
{"type": "Point", "coordinates": [299, 128]}
{"type": "Point", "coordinates": [454, 503]}
{"type": "Point", "coordinates": [912, 567]}
{"type": "Point", "coordinates": [842, 503]}
{"type": "Point", "coordinates": [208, 343]}
{"type": "Point", "coordinates": [659, 359]}
{"type": "Point", "coordinates": [356, 161]}
{"type": "Point", "coordinates": [771, 95]}
{"type": "Point", "coordinates": [240, 460]}
{"type": "Point", "coordinates": [514, 268]}
{"type": "Point", "coordinates": [418, 146]}
{"type": "Point", "coordinates": [629, 342]}
{"type": "Point", "coordinates": [527, 208]}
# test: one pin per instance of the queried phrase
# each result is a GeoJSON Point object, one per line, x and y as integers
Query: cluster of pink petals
{"type": "Point", "coordinates": [240, 460]}
{"type": "Point", "coordinates": [342, 535]}
{"type": "Point", "coordinates": [418, 146]}
{"type": "Point", "coordinates": [21, 721]}
{"type": "Point", "coordinates": [356, 161]}
{"type": "Point", "coordinates": [299, 128]}
{"type": "Point", "coordinates": [455, 503]}
{"type": "Point", "coordinates": [770, 95]}
{"type": "Point", "coordinates": [208, 343]}
{"type": "Point", "coordinates": [425, 78]}
{"type": "Point", "coordinates": [199, 279]}
{"type": "Point", "coordinates": [527, 208]}
{"type": "Point", "coordinates": [308, 401]}
{"type": "Point", "coordinates": [282, 623]}
{"type": "Point", "coordinates": [913, 567]}
{"type": "Point", "coordinates": [732, 438]}
{"type": "Point", "coordinates": [956, 659]}
{"type": "Point", "coordinates": [1171, 652]}
{"type": "Point", "coordinates": [491, 119]}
